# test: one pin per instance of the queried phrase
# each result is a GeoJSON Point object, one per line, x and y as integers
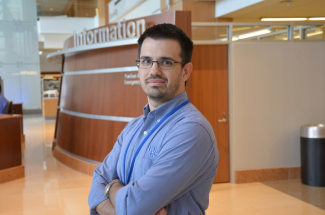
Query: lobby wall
{"type": "Point", "coordinates": [275, 87]}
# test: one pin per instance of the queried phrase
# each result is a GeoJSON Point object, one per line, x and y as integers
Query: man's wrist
{"type": "Point", "coordinates": [115, 187]}
{"type": "Point", "coordinates": [109, 186]}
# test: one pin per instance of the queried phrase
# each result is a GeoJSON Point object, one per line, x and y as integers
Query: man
{"type": "Point", "coordinates": [163, 162]}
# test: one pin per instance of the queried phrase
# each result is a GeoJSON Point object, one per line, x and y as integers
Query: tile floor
{"type": "Point", "coordinates": [51, 188]}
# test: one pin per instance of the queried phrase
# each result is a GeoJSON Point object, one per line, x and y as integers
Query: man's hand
{"type": "Point", "coordinates": [161, 212]}
{"type": "Point", "coordinates": [105, 208]}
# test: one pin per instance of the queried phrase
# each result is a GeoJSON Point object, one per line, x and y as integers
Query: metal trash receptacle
{"type": "Point", "coordinates": [312, 151]}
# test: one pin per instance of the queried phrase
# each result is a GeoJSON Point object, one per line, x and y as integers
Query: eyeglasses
{"type": "Point", "coordinates": [164, 64]}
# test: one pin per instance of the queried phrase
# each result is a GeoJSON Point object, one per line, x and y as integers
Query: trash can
{"type": "Point", "coordinates": [312, 151]}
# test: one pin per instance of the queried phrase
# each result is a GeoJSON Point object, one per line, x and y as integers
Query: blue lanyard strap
{"type": "Point", "coordinates": [127, 148]}
{"type": "Point", "coordinates": [145, 139]}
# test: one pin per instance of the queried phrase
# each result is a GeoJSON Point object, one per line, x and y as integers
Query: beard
{"type": "Point", "coordinates": [161, 93]}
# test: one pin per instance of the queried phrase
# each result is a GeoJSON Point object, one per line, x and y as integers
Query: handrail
{"type": "Point", "coordinates": [290, 28]}
{"type": "Point", "coordinates": [217, 24]}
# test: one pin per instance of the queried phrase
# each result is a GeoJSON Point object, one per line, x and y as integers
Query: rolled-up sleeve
{"type": "Point", "coordinates": [186, 155]}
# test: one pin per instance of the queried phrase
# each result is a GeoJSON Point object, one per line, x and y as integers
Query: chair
{"type": "Point", "coordinates": [9, 108]}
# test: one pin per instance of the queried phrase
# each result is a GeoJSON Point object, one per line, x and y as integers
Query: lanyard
{"type": "Point", "coordinates": [127, 180]}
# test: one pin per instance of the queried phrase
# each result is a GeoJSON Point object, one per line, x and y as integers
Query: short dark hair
{"type": "Point", "coordinates": [169, 31]}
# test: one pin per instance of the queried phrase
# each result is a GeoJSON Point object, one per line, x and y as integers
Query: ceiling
{"type": "Point", "coordinates": [253, 13]}
{"type": "Point", "coordinates": [279, 8]}
{"type": "Point", "coordinates": [75, 8]}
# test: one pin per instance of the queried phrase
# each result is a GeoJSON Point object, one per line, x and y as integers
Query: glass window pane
{"type": "Point", "coordinates": [309, 32]}
{"type": "Point", "coordinates": [209, 33]}
{"type": "Point", "coordinates": [260, 32]}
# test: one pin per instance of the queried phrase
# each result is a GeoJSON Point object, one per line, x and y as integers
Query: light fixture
{"type": "Point", "coordinates": [314, 34]}
{"type": "Point", "coordinates": [316, 18]}
{"type": "Point", "coordinates": [40, 52]}
{"type": "Point", "coordinates": [241, 28]}
{"type": "Point", "coordinates": [283, 19]}
{"type": "Point", "coordinates": [251, 34]}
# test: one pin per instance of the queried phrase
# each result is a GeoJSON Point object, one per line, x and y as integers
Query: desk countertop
{"type": "Point", "coordinates": [10, 116]}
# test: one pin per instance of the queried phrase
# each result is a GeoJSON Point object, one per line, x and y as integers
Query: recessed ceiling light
{"type": "Point", "coordinates": [283, 19]}
{"type": "Point", "coordinates": [254, 33]}
{"type": "Point", "coordinates": [314, 34]}
{"type": "Point", "coordinates": [316, 18]}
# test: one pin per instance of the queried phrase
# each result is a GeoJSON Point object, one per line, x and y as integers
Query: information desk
{"type": "Point", "coordinates": [50, 107]}
{"type": "Point", "coordinates": [10, 148]}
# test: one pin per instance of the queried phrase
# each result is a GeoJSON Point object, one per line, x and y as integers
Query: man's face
{"type": "Point", "coordinates": [162, 85]}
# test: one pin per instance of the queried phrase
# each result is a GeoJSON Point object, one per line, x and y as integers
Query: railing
{"type": "Point", "coordinates": [221, 32]}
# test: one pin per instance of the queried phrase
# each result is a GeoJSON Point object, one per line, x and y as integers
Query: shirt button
{"type": "Point", "coordinates": [145, 132]}
{"type": "Point", "coordinates": [158, 120]}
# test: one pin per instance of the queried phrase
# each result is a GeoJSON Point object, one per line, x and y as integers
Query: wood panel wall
{"type": "Point", "coordinates": [104, 94]}
{"type": "Point", "coordinates": [88, 138]}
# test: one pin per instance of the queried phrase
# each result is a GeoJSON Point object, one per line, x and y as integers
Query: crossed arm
{"type": "Point", "coordinates": [162, 183]}
{"type": "Point", "coordinates": [107, 207]}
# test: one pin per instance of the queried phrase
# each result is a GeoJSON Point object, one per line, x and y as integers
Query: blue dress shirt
{"type": "Point", "coordinates": [174, 169]}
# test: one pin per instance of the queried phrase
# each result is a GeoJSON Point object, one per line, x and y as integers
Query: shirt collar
{"type": "Point", "coordinates": [164, 109]}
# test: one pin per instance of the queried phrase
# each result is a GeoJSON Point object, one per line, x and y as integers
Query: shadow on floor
{"type": "Point", "coordinates": [312, 195]}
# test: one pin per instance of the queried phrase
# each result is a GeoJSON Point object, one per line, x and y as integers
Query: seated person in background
{"type": "Point", "coordinates": [3, 103]}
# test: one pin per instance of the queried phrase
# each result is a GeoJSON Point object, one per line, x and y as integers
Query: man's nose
{"type": "Point", "coordinates": [155, 70]}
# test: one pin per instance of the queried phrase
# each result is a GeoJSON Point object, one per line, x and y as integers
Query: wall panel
{"type": "Point", "coordinates": [89, 138]}
{"type": "Point", "coordinates": [102, 94]}
{"type": "Point", "coordinates": [120, 56]}
{"type": "Point", "coordinates": [277, 88]}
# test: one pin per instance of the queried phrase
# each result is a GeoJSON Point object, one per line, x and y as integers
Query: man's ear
{"type": "Point", "coordinates": [187, 70]}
